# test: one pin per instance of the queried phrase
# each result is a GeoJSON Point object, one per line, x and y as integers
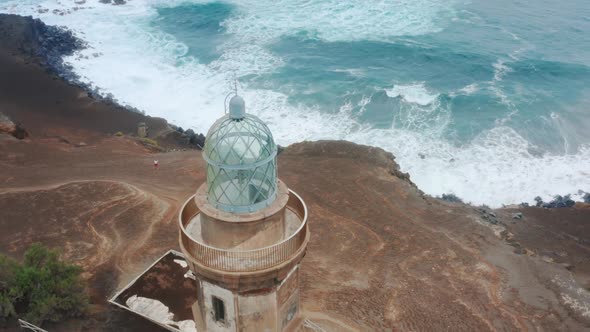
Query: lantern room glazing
{"type": "Point", "coordinates": [241, 155]}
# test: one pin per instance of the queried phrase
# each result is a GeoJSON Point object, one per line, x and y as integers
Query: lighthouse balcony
{"type": "Point", "coordinates": [257, 245]}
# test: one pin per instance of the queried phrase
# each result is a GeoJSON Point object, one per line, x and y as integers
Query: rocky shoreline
{"type": "Point", "coordinates": [45, 45]}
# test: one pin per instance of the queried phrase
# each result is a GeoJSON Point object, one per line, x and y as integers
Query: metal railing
{"type": "Point", "coordinates": [26, 325]}
{"type": "Point", "coordinates": [244, 260]}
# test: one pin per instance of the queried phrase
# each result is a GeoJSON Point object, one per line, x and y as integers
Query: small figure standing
{"type": "Point", "coordinates": [156, 165]}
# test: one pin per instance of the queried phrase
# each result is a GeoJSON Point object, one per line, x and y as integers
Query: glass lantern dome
{"type": "Point", "coordinates": [241, 156]}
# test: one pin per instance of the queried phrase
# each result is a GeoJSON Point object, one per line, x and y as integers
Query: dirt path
{"type": "Point", "coordinates": [381, 255]}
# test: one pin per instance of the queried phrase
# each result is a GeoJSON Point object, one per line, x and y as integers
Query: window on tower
{"type": "Point", "coordinates": [218, 309]}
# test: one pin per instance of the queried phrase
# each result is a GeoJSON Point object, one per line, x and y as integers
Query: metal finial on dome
{"type": "Point", "coordinates": [237, 108]}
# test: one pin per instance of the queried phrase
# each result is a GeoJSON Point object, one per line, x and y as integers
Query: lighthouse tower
{"type": "Point", "coordinates": [244, 232]}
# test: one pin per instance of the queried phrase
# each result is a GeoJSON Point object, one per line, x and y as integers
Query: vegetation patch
{"type": "Point", "coordinates": [451, 198]}
{"type": "Point", "coordinates": [149, 141]}
{"type": "Point", "coordinates": [557, 202]}
{"type": "Point", "coordinates": [40, 289]}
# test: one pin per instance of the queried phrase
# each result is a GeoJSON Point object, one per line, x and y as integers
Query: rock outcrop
{"type": "Point", "coordinates": [9, 127]}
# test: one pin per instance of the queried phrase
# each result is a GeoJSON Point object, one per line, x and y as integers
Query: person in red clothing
{"type": "Point", "coordinates": [156, 165]}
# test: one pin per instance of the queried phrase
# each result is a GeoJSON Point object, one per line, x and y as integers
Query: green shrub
{"type": "Point", "coordinates": [118, 134]}
{"type": "Point", "coordinates": [42, 288]}
{"type": "Point", "coordinates": [451, 198]}
{"type": "Point", "coordinates": [149, 141]}
{"type": "Point", "coordinates": [8, 270]}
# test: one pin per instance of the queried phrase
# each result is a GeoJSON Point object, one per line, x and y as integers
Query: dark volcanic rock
{"type": "Point", "coordinates": [451, 198]}
{"type": "Point", "coordinates": [197, 140]}
{"type": "Point", "coordinates": [20, 132]}
{"type": "Point", "coordinates": [35, 39]}
{"type": "Point", "coordinates": [488, 215]}
{"type": "Point", "coordinates": [557, 202]}
{"type": "Point", "coordinates": [517, 215]}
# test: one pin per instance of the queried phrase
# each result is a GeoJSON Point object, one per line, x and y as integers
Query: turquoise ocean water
{"type": "Point", "coordinates": [489, 100]}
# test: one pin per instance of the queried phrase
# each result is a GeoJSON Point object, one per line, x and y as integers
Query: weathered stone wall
{"type": "Point", "coordinates": [288, 300]}
{"type": "Point", "coordinates": [209, 290]}
{"type": "Point", "coordinates": [258, 312]}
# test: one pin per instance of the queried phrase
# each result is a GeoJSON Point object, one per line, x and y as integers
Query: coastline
{"type": "Point", "coordinates": [31, 54]}
{"type": "Point", "coordinates": [498, 181]}
{"type": "Point", "coordinates": [405, 233]}
{"type": "Point", "coordinates": [424, 121]}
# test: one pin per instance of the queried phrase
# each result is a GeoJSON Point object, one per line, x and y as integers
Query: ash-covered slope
{"type": "Point", "coordinates": [382, 255]}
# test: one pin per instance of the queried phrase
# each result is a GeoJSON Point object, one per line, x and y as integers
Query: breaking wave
{"type": "Point", "coordinates": [153, 70]}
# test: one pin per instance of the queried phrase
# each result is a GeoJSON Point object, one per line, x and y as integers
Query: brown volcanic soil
{"type": "Point", "coordinates": [559, 235]}
{"type": "Point", "coordinates": [68, 112]}
{"type": "Point", "coordinates": [102, 205]}
{"type": "Point", "coordinates": [381, 257]}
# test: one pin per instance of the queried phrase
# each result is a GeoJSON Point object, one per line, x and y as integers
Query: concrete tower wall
{"type": "Point", "coordinates": [258, 312]}
{"type": "Point", "coordinates": [271, 308]}
{"type": "Point", "coordinates": [246, 231]}
{"type": "Point", "coordinates": [288, 300]}
{"type": "Point", "coordinates": [209, 292]}
{"type": "Point", "coordinates": [245, 236]}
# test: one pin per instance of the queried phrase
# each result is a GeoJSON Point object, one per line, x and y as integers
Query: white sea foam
{"type": "Point", "coordinates": [142, 67]}
{"type": "Point", "coordinates": [414, 93]}
{"type": "Point", "coordinates": [337, 20]}
{"type": "Point", "coordinates": [496, 168]}
{"type": "Point", "coordinates": [469, 89]}
{"type": "Point", "coordinates": [500, 69]}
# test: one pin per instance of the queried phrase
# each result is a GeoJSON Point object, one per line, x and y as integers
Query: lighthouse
{"type": "Point", "coordinates": [244, 232]}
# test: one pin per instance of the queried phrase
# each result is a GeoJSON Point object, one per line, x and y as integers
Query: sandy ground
{"type": "Point", "coordinates": [381, 256]}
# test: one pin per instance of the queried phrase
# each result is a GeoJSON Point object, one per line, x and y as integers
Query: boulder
{"type": "Point", "coordinates": [20, 132]}
{"type": "Point", "coordinates": [198, 140]}
{"type": "Point", "coordinates": [9, 127]}
{"type": "Point", "coordinates": [6, 126]}
{"type": "Point", "coordinates": [560, 202]}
